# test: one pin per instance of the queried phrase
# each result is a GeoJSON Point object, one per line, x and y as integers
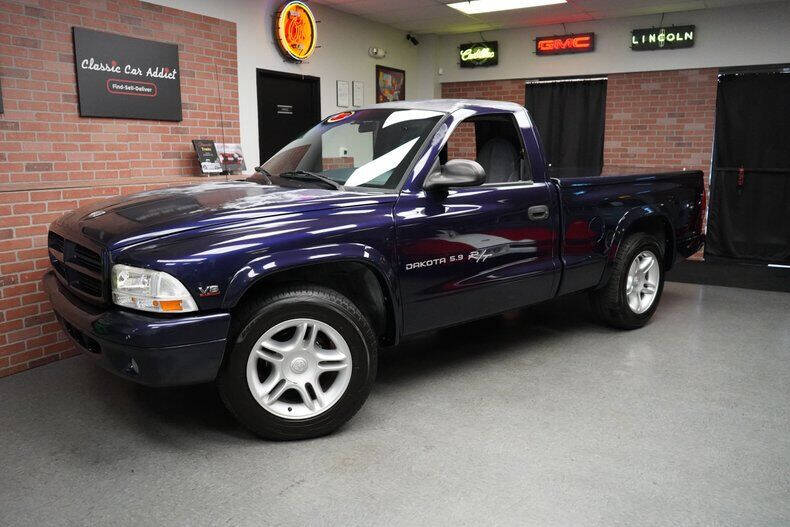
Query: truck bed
{"type": "Point", "coordinates": [596, 211]}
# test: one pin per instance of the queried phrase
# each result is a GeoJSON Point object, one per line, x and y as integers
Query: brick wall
{"type": "Point", "coordinates": [334, 163]}
{"type": "Point", "coordinates": [52, 160]}
{"type": "Point", "coordinates": [660, 120]}
{"type": "Point", "coordinates": [499, 90]}
{"type": "Point", "coordinates": [463, 143]}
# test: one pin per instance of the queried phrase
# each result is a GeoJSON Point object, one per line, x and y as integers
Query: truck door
{"type": "Point", "coordinates": [476, 251]}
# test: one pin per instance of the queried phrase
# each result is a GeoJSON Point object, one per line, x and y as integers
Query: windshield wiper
{"type": "Point", "coordinates": [303, 174]}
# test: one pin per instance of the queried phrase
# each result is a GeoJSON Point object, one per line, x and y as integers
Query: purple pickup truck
{"type": "Point", "coordinates": [375, 224]}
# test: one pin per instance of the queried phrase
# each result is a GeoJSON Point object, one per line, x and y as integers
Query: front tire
{"type": "Point", "coordinates": [633, 291]}
{"type": "Point", "coordinates": [301, 363]}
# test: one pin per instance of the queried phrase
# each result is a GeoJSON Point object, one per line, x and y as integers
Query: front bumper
{"type": "Point", "coordinates": [148, 349]}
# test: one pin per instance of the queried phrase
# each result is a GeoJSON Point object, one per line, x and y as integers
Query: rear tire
{"type": "Point", "coordinates": [631, 295]}
{"type": "Point", "coordinates": [301, 362]}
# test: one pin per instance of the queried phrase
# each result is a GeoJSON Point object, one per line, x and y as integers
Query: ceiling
{"type": "Point", "coordinates": [433, 16]}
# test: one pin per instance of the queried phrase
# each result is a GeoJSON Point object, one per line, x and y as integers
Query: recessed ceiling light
{"type": "Point", "coordinates": [486, 6]}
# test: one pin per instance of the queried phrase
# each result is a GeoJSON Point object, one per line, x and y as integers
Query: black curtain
{"type": "Point", "coordinates": [570, 121]}
{"type": "Point", "coordinates": [749, 215]}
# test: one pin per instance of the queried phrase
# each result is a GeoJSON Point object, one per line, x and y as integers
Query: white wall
{"type": "Point", "coordinates": [744, 35]}
{"type": "Point", "coordinates": [343, 55]}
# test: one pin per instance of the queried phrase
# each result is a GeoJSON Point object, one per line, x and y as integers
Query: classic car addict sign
{"type": "Point", "coordinates": [126, 77]}
{"type": "Point", "coordinates": [653, 38]}
{"type": "Point", "coordinates": [474, 54]}
{"type": "Point", "coordinates": [562, 44]}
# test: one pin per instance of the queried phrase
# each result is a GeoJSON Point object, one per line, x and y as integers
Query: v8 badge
{"type": "Point", "coordinates": [209, 290]}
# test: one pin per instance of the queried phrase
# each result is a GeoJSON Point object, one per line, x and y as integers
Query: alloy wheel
{"type": "Point", "coordinates": [299, 368]}
{"type": "Point", "coordinates": [642, 282]}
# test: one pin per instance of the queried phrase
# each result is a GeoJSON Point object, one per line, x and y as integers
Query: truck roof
{"type": "Point", "coordinates": [450, 105]}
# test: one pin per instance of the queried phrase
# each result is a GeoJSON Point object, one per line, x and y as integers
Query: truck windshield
{"type": "Point", "coordinates": [368, 148]}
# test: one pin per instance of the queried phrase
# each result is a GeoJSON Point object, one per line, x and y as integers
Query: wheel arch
{"type": "Point", "coordinates": [646, 220]}
{"type": "Point", "coordinates": [357, 271]}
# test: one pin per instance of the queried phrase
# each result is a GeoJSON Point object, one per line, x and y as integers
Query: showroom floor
{"type": "Point", "coordinates": [539, 417]}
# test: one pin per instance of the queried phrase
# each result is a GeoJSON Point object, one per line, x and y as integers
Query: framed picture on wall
{"type": "Point", "coordinates": [390, 84]}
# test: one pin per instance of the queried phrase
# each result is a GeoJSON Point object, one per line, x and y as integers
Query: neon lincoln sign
{"type": "Point", "coordinates": [561, 44]}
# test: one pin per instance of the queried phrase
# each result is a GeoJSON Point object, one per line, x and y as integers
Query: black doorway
{"type": "Point", "coordinates": [569, 115]}
{"type": "Point", "coordinates": [288, 106]}
{"type": "Point", "coordinates": [750, 187]}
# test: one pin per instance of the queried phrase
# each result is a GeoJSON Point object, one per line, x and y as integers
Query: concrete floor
{"type": "Point", "coordinates": [535, 418]}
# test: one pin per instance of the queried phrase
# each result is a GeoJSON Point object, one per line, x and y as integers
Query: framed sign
{"type": "Point", "coordinates": [295, 31]}
{"type": "Point", "coordinates": [563, 44]}
{"type": "Point", "coordinates": [390, 84]}
{"type": "Point", "coordinates": [343, 94]}
{"type": "Point", "coordinates": [207, 156]}
{"type": "Point", "coordinates": [357, 93]}
{"type": "Point", "coordinates": [475, 54]}
{"type": "Point", "coordinates": [654, 38]}
{"type": "Point", "coordinates": [230, 156]}
{"type": "Point", "coordinates": [126, 77]}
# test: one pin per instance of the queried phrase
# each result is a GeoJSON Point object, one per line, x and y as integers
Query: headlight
{"type": "Point", "coordinates": [149, 291]}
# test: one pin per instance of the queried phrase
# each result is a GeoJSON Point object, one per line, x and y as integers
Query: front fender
{"type": "Point", "coordinates": [282, 261]}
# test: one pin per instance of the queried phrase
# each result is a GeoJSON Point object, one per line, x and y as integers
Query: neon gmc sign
{"type": "Point", "coordinates": [561, 44]}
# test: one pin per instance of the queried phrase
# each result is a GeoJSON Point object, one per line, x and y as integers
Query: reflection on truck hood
{"type": "Point", "coordinates": [147, 215]}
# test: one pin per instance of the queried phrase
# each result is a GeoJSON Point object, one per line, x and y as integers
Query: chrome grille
{"type": "Point", "coordinates": [77, 266]}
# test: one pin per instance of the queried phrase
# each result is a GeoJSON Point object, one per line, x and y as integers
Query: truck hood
{"type": "Point", "coordinates": [140, 217]}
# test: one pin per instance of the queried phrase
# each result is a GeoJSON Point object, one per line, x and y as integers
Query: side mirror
{"type": "Point", "coordinates": [456, 173]}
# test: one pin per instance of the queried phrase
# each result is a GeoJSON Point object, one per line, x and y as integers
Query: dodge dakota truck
{"type": "Point", "coordinates": [376, 224]}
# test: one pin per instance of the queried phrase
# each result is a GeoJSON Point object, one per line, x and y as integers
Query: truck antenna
{"type": "Point", "coordinates": [221, 117]}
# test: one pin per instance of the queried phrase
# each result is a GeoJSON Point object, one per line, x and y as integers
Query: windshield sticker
{"type": "Point", "coordinates": [339, 117]}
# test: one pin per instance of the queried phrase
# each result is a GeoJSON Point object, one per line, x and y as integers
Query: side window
{"type": "Point", "coordinates": [494, 141]}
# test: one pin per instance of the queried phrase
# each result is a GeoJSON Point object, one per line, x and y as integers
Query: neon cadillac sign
{"type": "Point", "coordinates": [475, 54]}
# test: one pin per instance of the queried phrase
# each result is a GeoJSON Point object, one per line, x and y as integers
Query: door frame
{"type": "Point", "coordinates": [316, 95]}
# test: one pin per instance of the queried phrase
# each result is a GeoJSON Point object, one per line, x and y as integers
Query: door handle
{"type": "Point", "coordinates": [538, 212]}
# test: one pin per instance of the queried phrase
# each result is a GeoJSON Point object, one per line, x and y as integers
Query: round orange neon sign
{"type": "Point", "coordinates": [296, 31]}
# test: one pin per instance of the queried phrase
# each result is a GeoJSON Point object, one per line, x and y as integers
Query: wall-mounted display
{"type": "Point", "coordinates": [476, 54]}
{"type": "Point", "coordinates": [295, 30]}
{"type": "Point", "coordinates": [230, 156]}
{"type": "Point", "coordinates": [357, 93]}
{"type": "Point", "coordinates": [390, 84]}
{"type": "Point", "coordinates": [126, 77]}
{"type": "Point", "coordinates": [343, 94]}
{"type": "Point", "coordinates": [207, 156]}
{"type": "Point", "coordinates": [651, 39]}
{"type": "Point", "coordinates": [563, 44]}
